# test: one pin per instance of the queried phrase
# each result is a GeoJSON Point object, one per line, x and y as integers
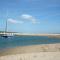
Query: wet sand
{"type": "Point", "coordinates": [54, 36]}
{"type": "Point", "coordinates": [32, 49]}
{"type": "Point", "coordinates": [34, 52]}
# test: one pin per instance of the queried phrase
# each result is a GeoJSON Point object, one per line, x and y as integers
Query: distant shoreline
{"type": "Point", "coordinates": [29, 34]}
{"type": "Point", "coordinates": [18, 34]}
{"type": "Point", "coordinates": [54, 36]}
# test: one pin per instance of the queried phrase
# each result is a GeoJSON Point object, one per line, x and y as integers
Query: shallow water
{"type": "Point", "coordinates": [26, 40]}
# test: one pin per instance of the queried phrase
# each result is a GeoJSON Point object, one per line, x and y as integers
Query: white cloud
{"type": "Point", "coordinates": [25, 16]}
{"type": "Point", "coordinates": [29, 18]}
{"type": "Point", "coordinates": [14, 21]}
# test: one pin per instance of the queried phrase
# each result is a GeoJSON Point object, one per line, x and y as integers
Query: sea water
{"type": "Point", "coordinates": [26, 40]}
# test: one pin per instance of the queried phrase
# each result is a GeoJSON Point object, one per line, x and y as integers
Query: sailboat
{"type": "Point", "coordinates": [5, 35]}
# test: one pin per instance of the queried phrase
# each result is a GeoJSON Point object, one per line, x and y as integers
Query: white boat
{"type": "Point", "coordinates": [6, 34]}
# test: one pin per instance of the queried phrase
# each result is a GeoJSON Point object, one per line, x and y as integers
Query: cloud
{"type": "Point", "coordinates": [25, 16]}
{"type": "Point", "coordinates": [29, 18]}
{"type": "Point", "coordinates": [14, 21]}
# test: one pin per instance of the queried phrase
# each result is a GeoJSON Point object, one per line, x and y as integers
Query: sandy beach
{"type": "Point", "coordinates": [54, 36]}
{"type": "Point", "coordinates": [33, 56]}
{"type": "Point", "coordinates": [34, 52]}
{"type": "Point", "coordinates": [32, 49]}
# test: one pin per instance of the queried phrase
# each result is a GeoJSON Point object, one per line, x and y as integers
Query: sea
{"type": "Point", "coordinates": [15, 41]}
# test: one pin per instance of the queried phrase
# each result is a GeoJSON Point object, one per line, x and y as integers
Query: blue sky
{"type": "Point", "coordinates": [30, 16]}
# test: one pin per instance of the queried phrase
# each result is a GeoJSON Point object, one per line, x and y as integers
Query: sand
{"type": "Point", "coordinates": [32, 49]}
{"type": "Point", "coordinates": [54, 36]}
{"type": "Point", "coordinates": [33, 52]}
{"type": "Point", "coordinates": [33, 56]}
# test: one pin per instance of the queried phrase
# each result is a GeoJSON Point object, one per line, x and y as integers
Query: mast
{"type": "Point", "coordinates": [6, 27]}
{"type": "Point", "coordinates": [5, 33]}
{"type": "Point", "coordinates": [6, 21]}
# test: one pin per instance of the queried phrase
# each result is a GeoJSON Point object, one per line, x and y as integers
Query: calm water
{"type": "Point", "coordinates": [26, 40]}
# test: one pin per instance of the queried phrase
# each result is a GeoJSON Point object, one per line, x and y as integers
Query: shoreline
{"type": "Point", "coordinates": [32, 49]}
{"type": "Point", "coordinates": [48, 35]}
{"type": "Point", "coordinates": [53, 36]}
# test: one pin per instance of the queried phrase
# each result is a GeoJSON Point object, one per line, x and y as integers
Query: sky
{"type": "Point", "coordinates": [30, 16]}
